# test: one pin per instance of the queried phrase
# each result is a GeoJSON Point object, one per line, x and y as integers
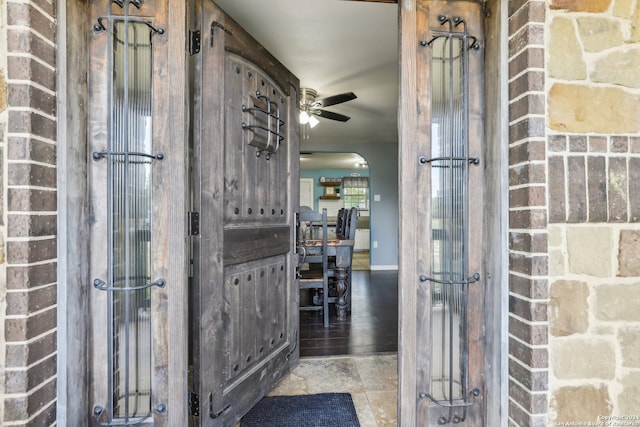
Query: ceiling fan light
{"type": "Point", "coordinates": [313, 121]}
{"type": "Point", "coordinates": [304, 118]}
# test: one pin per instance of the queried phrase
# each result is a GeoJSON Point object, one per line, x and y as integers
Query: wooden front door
{"type": "Point", "coordinates": [245, 194]}
{"type": "Point", "coordinates": [442, 279]}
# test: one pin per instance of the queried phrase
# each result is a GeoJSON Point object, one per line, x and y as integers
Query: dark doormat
{"type": "Point", "coordinates": [310, 410]}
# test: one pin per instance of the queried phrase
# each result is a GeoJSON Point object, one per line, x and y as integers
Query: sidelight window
{"type": "Point", "coordinates": [450, 163]}
{"type": "Point", "coordinates": [128, 158]}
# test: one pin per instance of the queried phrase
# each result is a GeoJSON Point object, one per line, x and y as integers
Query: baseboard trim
{"type": "Point", "coordinates": [383, 267]}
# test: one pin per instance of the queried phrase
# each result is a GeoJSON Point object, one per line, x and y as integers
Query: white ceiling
{"type": "Point", "coordinates": [309, 161]}
{"type": "Point", "coordinates": [334, 46]}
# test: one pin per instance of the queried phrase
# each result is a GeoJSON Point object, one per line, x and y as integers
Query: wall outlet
{"type": "Point", "coordinates": [376, 197]}
{"type": "Point", "coordinates": [375, 244]}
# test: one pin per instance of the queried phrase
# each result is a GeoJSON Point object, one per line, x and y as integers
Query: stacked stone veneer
{"type": "Point", "coordinates": [593, 170]}
{"type": "Point", "coordinates": [28, 219]}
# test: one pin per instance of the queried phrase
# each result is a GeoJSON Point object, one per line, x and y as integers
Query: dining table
{"type": "Point", "coordinates": [342, 250]}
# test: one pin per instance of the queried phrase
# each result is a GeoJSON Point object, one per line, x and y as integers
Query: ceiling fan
{"type": "Point", "coordinates": [311, 106]}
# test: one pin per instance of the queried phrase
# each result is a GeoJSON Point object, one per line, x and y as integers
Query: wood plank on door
{"type": "Point", "coordinates": [245, 251]}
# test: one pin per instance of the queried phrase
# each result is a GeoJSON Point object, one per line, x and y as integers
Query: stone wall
{"type": "Point", "coordinates": [28, 282]}
{"type": "Point", "coordinates": [3, 198]}
{"type": "Point", "coordinates": [593, 163]}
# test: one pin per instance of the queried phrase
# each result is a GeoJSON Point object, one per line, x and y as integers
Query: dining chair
{"type": "Point", "coordinates": [340, 222]}
{"type": "Point", "coordinates": [350, 234]}
{"type": "Point", "coordinates": [351, 223]}
{"type": "Point", "coordinates": [312, 252]}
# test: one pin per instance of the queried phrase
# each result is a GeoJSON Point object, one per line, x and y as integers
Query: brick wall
{"type": "Point", "coordinates": [593, 91]}
{"type": "Point", "coordinates": [528, 354]}
{"type": "Point", "coordinates": [29, 213]}
{"type": "Point", "coordinates": [3, 191]}
{"type": "Point", "coordinates": [574, 196]}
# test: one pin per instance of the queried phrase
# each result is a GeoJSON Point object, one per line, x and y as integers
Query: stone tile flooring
{"type": "Point", "coordinates": [360, 260]}
{"type": "Point", "coordinates": [371, 380]}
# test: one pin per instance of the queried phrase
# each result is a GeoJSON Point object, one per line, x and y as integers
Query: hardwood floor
{"type": "Point", "coordinates": [371, 328]}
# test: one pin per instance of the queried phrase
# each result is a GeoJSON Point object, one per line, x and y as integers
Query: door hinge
{"type": "Point", "coordinates": [195, 39]}
{"type": "Point", "coordinates": [193, 223]}
{"type": "Point", "coordinates": [194, 404]}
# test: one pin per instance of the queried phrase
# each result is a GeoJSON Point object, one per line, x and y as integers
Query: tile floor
{"type": "Point", "coordinates": [371, 380]}
{"type": "Point", "coordinates": [360, 260]}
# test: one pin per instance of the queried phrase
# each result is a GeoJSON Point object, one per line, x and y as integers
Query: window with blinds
{"type": "Point", "coordinates": [355, 192]}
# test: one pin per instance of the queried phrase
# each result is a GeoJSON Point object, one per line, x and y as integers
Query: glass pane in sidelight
{"type": "Point", "coordinates": [130, 220]}
{"type": "Point", "coordinates": [449, 189]}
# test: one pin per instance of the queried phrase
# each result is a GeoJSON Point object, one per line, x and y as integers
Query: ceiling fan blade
{"type": "Point", "coordinates": [336, 99]}
{"type": "Point", "coordinates": [331, 116]}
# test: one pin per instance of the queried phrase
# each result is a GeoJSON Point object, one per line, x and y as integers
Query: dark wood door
{"type": "Point", "coordinates": [441, 278]}
{"type": "Point", "coordinates": [245, 192]}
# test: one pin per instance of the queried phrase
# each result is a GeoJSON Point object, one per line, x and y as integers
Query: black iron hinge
{"type": "Point", "coordinates": [193, 219]}
{"type": "Point", "coordinates": [194, 404]}
{"type": "Point", "coordinates": [195, 39]}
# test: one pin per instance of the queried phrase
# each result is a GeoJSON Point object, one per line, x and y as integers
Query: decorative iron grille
{"type": "Point", "coordinates": [128, 157]}
{"type": "Point", "coordinates": [450, 163]}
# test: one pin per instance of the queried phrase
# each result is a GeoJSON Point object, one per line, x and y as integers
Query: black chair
{"type": "Point", "coordinates": [340, 220]}
{"type": "Point", "coordinates": [351, 221]}
{"type": "Point", "coordinates": [350, 234]}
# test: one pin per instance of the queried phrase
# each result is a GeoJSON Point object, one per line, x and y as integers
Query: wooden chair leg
{"type": "Point", "coordinates": [349, 290]}
{"type": "Point", "coordinates": [325, 303]}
